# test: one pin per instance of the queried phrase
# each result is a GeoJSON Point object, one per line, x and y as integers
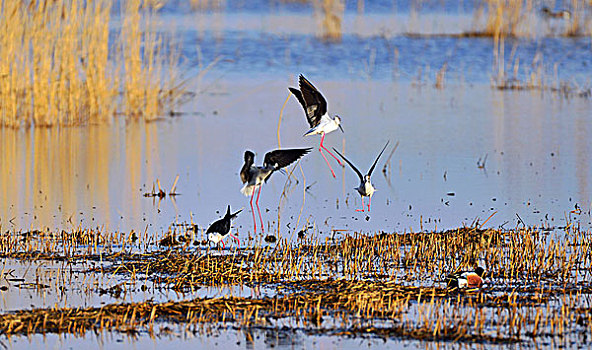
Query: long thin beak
{"type": "Point", "coordinates": [341, 128]}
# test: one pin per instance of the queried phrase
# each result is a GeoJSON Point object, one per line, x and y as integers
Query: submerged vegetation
{"type": "Point", "coordinates": [62, 63]}
{"type": "Point", "coordinates": [386, 285]}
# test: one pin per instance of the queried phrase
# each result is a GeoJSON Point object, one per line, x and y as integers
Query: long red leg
{"type": "Point", "coordinates": [369, 202]}
{"type": "Point", "coordinates": [321, 150]}
{"type": "Point", "coordinates": [259, 210]}
{"type": "Point", "coordinates": [362, 205]}
{"type": "Point", "coordinates": [236, 238]}
{"type": "Point", "coordinates": [332, 155]}
{"type": "Point", "coordinates": [332, 172]}
{"type": "Point", "coordinates": [253, 212]}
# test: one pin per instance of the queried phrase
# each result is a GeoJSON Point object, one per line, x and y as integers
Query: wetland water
{"type": "Point", "coordinates": [537, 148]}
{"type": "Point", "coordinates": [465, 152]}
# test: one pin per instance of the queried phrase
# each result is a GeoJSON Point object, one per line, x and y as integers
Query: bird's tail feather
{"type": "Point", "coordinates": [310, 132]}
{"type": "Point", "coordinates": [247, 190]}
{"type": "Point", "coordinates": [236, 213]}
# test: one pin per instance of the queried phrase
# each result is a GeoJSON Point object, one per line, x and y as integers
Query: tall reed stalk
{"type": "Point", "coordinates": [59, 65]}
{"type": "Point", "coordinates": [331, 13]}
{"type": "Point", "coordinates": [507, 17]}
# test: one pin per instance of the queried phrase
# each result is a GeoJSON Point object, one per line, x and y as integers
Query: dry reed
{"type": "Point", "coordinates": [60, 66]}
{"type": "Point", "coordinates": [331, 14]}
{"type": "Point", "coordinates": [387, 285]}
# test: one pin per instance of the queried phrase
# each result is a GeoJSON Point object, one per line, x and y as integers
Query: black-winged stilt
{"type": "Point", "coordinates": [254, 176]}
{"type": "Point", "coordinates": [220, 228]}
{"type": "Point", "coordinates": [315, 108]}
{"type": "Point", "coordinates": [365, 189]}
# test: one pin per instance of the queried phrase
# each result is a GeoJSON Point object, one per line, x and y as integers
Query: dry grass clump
{"type": "Point", "coordinates": [337, 307]}
{"type": "Point", "coordinates": [517, 18]}
{"type": "Point", "coordinates": [506, 17]}
{"type": "Point", "coordinates": [80, 243]}
{"type": "Point", "coordinates": [416, 258]}
{"type": "Point", "coordinates": [59, 65]}
{"type": "Point", "coordinates": [386, 285]}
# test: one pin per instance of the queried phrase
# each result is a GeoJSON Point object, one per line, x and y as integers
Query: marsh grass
{"type": "Point", "coordinates": [506, 73]}
{"type": "Point", "coordinates": [517, 18]}
{"type": "Point", "coordinates": [506, 17]}
{"type": "Point", "coordinates": [506, 20]}
{"type": "Point", "coordinates": [385, 285]}
{"type": "Point", "coordinates": [59, 64]}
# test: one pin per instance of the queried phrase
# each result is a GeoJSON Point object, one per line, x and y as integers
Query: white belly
{"type": "Point", "coordinates": [215, 237]}
{"type": "Point", "coordinates": [326, 126]}
{"type": "Point", "coordinates": [366, 190]}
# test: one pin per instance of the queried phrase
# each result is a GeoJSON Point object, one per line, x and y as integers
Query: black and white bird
{"type": "Point", "coordinates": [219, 229]}
{"type": "Point", "coordinates": [365, 189]}
{"type": "Point", "coordinates": [315, 108]}
{"type": "Point", "coordinates": [254, 177]}
{"type": "Point", "coordinates": [466, 279]}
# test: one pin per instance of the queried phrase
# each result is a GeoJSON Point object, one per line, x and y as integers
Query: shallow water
{"type": "Point", "coordinates": [379, 78]}
{"type": "Point", "coordinates": [210, 337]}
{"type": "Point", "coordinates": [48, 284]}
{"type": "Point", "coordinates": [466, 153]}
{"type": "Point", "coordinates": [536, 144]}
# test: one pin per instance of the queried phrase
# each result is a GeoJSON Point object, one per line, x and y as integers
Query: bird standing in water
{"type": "Point", "coordinates": [315, 108]}
{"type": "Point", "coordinates": [220, 228]}
{"type": "Point", "coordinates": [365, 189]}
{"type": "Point", "coordinates": [254, 177]}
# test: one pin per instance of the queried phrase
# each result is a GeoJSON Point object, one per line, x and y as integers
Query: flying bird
{"type": "Point", "coordinates": [254, 177]}
{"type": "Point", "coordinates": [315, 108]}
{"type": "Point", "coordinates": [365, 189]}
{"type": "Point", "coordinates": [219, 229]}
{"type": "Point", "coordinates": [466, 279]}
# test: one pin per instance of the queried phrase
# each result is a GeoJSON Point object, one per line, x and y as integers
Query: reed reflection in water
{"type": "Point", "coordinates": [536, 151]}
{"type": "Point", "coordinates": [63, 177]}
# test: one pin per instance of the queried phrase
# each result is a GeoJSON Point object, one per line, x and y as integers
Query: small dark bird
{"type": "Point", "coordinates": [219, 229]}
{"type": "Point", "coordinates": [254, 177]}
{"type": "Point", "coordinates": [365, 189]}
{"type": "Point", "coordinates": [315, 108]}
{"type": "Point", "coordinates": [466, 279]}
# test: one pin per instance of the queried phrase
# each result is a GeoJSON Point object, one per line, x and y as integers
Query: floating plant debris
{"type": "Point", "coordinates": [388, 285]}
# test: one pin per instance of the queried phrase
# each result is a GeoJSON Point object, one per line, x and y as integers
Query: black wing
{"type": "Point", "coordinates": [298, 95]}
{"type": "Point", "coordinates": [283, 157]}
{"type": "Point", "coordinates": [231, 216]}
{"type": "Point", "coordinates": [245, 173]}
{"type": "Point", "coordinates": [351, 165]}
{"type": "Point", "coordinates": [313, 102]}
{"type": "Point", "coordinates": [221, 226]}
{"type": "Point", "coordinates": [377, 158]}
